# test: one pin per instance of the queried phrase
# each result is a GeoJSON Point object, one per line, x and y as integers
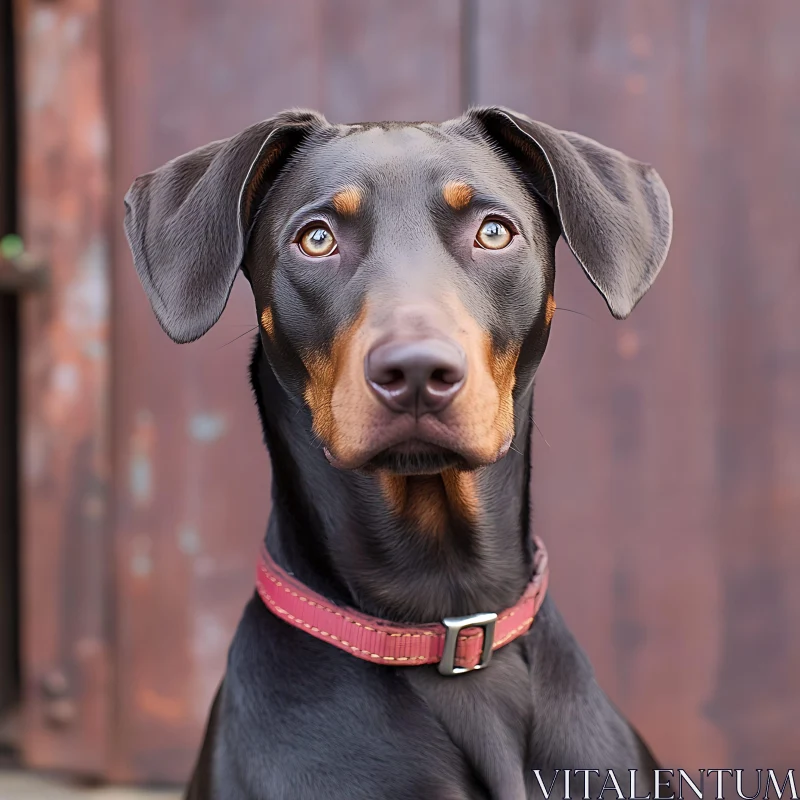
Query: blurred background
{"type": "Point", "coordinates": [134, 488]}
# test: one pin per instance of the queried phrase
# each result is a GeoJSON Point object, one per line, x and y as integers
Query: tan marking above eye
{"type": "Point", "coordinates": [457, 195]}
{"type": "Point", "coordinates": [493, 235]}
{"type": "Point", "coordinates": [317, 241]}
{"type": "Point", "coordinates": [347, 201]}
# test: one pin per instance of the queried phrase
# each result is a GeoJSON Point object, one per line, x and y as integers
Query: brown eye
{"type": "Point", "coordinates": [493, 235]}
{"type": "Point", "coordinates": [317, 241]}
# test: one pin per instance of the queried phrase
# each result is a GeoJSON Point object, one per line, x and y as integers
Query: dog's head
{"type": "Point", "coordinates": [403, 273]}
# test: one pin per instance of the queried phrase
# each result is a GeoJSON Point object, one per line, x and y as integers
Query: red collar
{"type": "Point", "coordinates": [456, 644]}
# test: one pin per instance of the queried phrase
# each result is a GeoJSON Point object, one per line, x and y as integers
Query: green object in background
{"type": "Point", "coordinates": [11, 246]}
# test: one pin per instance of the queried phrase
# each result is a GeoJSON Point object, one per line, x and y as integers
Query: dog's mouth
{"type": "Point", "coordinates": [415, 457]}
{"type": "Point", "coordinates": [404, 444]}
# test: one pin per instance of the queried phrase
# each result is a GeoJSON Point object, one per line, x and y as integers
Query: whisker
{"type": "Point", "coordinates": [540, 431]}
{"type": "Point", "coordinates": [255, 327]}
{"type": "Point", "coordinates": [573, 311]}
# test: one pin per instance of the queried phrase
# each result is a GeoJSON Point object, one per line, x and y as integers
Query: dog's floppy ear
{"type": "Point", "coordinates": [615, 213]}
{"type": "Point", "coordinates": [188, 222]}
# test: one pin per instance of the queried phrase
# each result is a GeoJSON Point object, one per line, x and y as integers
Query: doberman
{"type": "Point", "coordinates": [403, 276]}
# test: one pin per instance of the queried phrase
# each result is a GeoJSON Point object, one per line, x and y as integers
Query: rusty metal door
{"type": "Point", "coordinates": [669, 486]}
{"type": "Point", "coordinates": [64, 409]}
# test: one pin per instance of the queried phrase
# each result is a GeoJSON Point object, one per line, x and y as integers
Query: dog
{"type": "Point", "coordinates": [403, 277]}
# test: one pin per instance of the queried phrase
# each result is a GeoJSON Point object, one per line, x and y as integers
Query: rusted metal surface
{"type": "Point", "coordinates": [387, 60]}
{"type": "Point", "coordinates": [65, 386]}
{"type": "Point", "coordinates": [193, 480]}
{"type": "Point", "coordinates": [670, 491]}
{"type": "Point", "coordinates": [669, 494]}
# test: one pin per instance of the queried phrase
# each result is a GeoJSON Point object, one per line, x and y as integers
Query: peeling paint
{"type": "Point", "coordinates": [73, 30]}
{"type": "Point", "coordinates": [86, 297]}
{"type": "Point", "coordinates": [207, 427]}
{"type": "Point", "coordinates": [141, 563]}
{"type": "Point", "coordinates": [98, 139]}
{"type": "Point", "coordinates": [66, 380]}
{"type": "Point", "coordinates": [141, 479]}
{"type": "Point", "coordinates": [59, 401]}
{"type": "Point", "coordinates": [65, 416]}
{"type": "Point", "coordinates": [43, 21]}
{"type": "Point", "coordinates": [45, 79]}
{"type": "Point", "coordinates": [95, 349]}
{"type": "Point", "coordinates": [210, 635]}
{"type": "Point", "coordinates": [189, 539]}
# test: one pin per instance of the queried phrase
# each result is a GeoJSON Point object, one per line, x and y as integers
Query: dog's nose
{"type": "Point", "coordinates": [422, 375]}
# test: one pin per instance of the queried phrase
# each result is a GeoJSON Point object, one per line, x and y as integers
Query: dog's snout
{"type": "Point", "coordinates": [419, 376]}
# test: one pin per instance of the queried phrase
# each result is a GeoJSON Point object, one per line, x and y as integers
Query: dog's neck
{"type": "Point", "coordinates": [407, 549]}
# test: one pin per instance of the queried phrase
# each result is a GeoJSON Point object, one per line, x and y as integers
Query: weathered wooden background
{"type": "Point", "coordinates": [669, 487]}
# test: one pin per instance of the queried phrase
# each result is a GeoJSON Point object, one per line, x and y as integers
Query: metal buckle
{"type": "Point", "coordinates": [454, 626]}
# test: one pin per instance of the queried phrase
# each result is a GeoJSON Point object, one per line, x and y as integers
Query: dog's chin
{"type": "Point", "coordinates": [416, 458]}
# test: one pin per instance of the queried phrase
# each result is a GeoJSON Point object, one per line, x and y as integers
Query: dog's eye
{"type": "Point", "coordinates": [493, 235]}
{"type": "Point", "coordinates": [317, 240]}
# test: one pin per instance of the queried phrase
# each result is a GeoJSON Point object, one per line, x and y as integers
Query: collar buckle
{"type": "Point", "coordinates": [454, 626]}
